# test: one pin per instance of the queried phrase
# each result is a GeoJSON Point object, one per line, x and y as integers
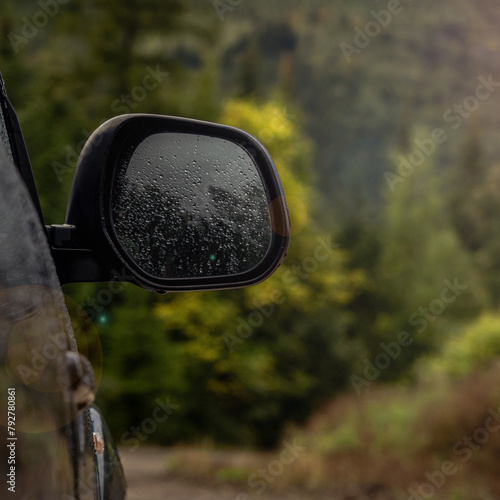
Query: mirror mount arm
{"type": "Point", "coordinates": [63, 236]}
{"type": "Point", "coordinates": [75, 263]}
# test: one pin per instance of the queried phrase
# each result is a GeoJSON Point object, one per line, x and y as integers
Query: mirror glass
{"type": "Point", "coordinates": [187, 205]}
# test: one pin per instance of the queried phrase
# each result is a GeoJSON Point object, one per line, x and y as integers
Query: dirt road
{"type": "Point", "coordinates": [148, 479]}
{"type": "Point", "coordinates": [145, 469]}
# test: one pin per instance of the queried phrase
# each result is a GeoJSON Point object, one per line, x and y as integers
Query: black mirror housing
{"type": "Point", "coordinates": [172, 204]}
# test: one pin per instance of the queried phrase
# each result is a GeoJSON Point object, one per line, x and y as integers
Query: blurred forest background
{"type": "Point", "coordinates": [375, 344]}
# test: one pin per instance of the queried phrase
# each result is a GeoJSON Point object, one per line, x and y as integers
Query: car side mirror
{"type": "Point", "coordinates": [172, 204]}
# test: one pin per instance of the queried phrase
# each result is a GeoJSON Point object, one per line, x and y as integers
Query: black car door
{"type": "Point", "coordinates": [47, 436]}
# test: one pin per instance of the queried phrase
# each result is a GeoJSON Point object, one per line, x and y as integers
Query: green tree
{"type": "Point", "coordinates": [420, 254]}
{"type": "Point", "coordinates": [476, 213]}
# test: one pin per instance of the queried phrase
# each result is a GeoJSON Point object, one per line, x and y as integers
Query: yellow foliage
{"type": "Point", "coordinates": [271, 124]}
{"type": "Point", "coordinates": [472, 350]}
{"type": "Point", "coordinates": [198, 316]}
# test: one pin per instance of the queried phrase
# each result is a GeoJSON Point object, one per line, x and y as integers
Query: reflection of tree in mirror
{"type": "Point", "coordinates": [229, 234]}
